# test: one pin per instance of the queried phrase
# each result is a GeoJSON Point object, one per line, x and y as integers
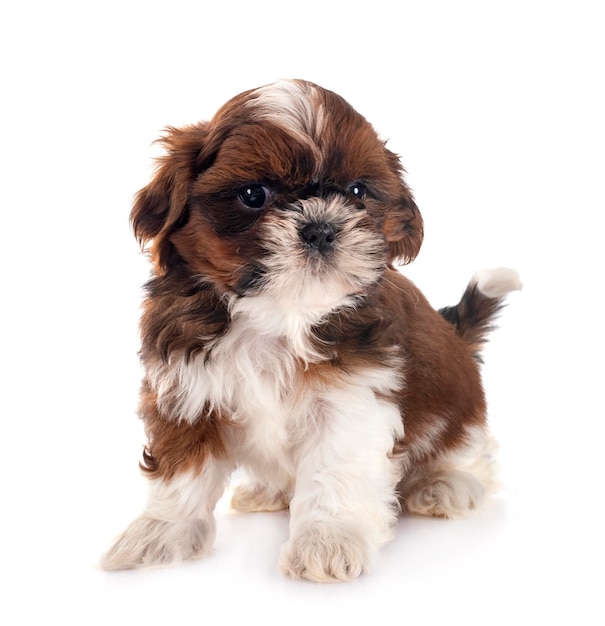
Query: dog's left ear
{"type": "Point", "coordinates": [161, 206]}
{"type": "Point", "coordinates": [405, 232]}
{"type": "Point", "coordinates": [404, 227]}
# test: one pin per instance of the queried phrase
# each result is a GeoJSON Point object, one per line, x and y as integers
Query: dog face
{"type": "Point", "coordinates": [286, 193]}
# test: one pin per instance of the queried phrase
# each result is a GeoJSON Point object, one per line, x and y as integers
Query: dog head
{"type": "Point", "coordinates": [287, 192]}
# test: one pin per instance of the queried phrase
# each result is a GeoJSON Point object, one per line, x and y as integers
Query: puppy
{"type": "Point", "coordinates": [278, 337]}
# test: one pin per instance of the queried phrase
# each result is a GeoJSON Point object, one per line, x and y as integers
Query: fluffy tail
{"type": "Point", "coordinates": [474, 315]}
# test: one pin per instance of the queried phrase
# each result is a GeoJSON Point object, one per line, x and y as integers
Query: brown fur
{"type": "Point", "coordinates": [441, 377]}
{"type": "Point", "coordinates": [203, 247]}
{"type": "Point", "coordinates": [177, 446]}
{"type": "Point", "coordinates": [276, 334]}
{"type": "Point", "coordinates": [192, 176]}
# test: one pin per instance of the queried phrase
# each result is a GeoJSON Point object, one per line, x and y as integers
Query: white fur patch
{"type": "Point", "coordinates": [298, 281]}
{"type": "Point", "coordinates": [294, 106]}
{"type": "Point", "coordinates": [457, 482]}
{"type": "Point", "coordinates": [178, 523]}
{"type": "Point", "coordinates": [244, 375]}
{"type": "Point", "coordinates": [291, 104]}
{"type": "Point", "coordinates": [425, 443]}
{"type": "Point", "coordinates": [496, 283]}
{"type": "Point", "coordinates": [477, 457]}
{"type": "Point", "coordinates": [344, 505]}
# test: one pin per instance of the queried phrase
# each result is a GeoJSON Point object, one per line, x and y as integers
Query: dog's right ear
{"type": "Point", "coordinates": [162, 205]}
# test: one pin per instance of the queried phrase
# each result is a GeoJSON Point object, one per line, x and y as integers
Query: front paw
{"type": "Point", "coordinates": [325, 553]}
{"type": "Point", "coordinates": [150, 542]}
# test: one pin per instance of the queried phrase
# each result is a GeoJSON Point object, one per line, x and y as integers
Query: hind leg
{"type": "Point", "coordinates": [448, 493]}
{"type": "Point", "coordinates": [456, 482]}
{"type": "Point", "coordinates": [251, 497]}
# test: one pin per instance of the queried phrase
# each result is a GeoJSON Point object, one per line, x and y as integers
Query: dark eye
{"type": "Point", "coordinates": [358, 190]}
{"type": "Point", "coordinates": [255, 195]}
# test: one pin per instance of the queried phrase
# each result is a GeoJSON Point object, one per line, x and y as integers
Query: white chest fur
{"type": "Point", "coordinates": [258, 380]}
{"type": "Point", "coordinates": [244, 373]}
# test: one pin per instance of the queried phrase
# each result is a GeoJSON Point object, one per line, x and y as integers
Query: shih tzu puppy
{"type": "Point", "coordinates": [277, 337]}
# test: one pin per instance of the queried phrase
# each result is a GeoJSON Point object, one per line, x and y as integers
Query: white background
{"type": "Point", "coordinates": [497, 109]}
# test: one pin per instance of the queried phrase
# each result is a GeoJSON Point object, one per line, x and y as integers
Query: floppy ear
{"type": "Point", "coordinates": [162, 205]}
{"type": "Point", "coordinates": [405, 232]}
{"type": "Point", "coordinates": [404, 227]}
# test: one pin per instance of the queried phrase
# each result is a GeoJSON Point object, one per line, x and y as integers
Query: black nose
{"type": "Point", "coordinates": [319, 236]}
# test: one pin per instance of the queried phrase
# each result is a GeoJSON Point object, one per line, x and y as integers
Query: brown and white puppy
{"type": "Point", "coordinates": [277, 337]}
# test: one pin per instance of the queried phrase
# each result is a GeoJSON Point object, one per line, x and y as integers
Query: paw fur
{"type": "Point", "coordinates": [150, 542]}
{"type": "Point", "coordinates": [324, 554]}
{"type": "Point", "coordinates": [250, 498]}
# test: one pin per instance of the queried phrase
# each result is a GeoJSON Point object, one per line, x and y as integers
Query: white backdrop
{"type": "Point", "coordinates": [497, 111]}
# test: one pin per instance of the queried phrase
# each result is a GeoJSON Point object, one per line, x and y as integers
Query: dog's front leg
{"type": "Point", "coordinates": [188, 471]}
{"type": "Point", "coordinates": [344, 505]}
